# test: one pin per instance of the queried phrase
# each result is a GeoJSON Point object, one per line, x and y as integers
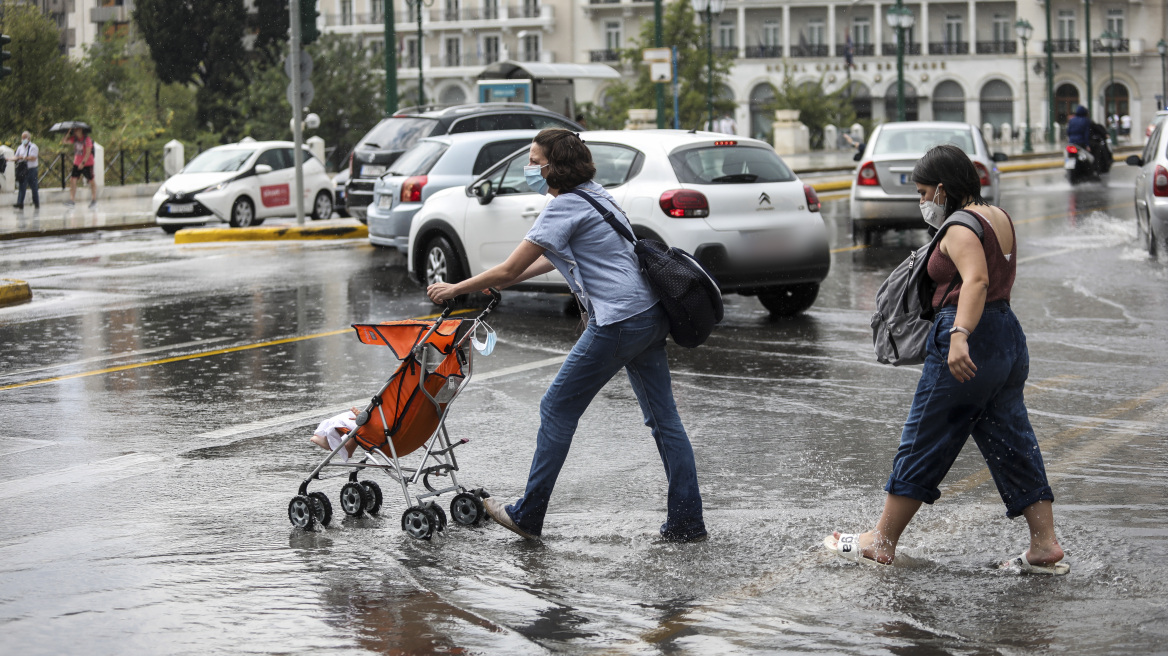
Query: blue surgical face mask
{"type": "Point", "coordinates": [932, 211]}
{"type": "Point", "coordinates": [535, 180]}
{"type": "Point", "coordinates": [486, 346]}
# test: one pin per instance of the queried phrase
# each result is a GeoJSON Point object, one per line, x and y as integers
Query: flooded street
{"type": "Point", "coordinates": [158, 399]}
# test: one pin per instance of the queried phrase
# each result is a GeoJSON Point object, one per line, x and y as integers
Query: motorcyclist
{"type": "Point", "coordinates": [1079, 128]}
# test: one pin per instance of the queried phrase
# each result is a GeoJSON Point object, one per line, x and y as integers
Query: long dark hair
{"type": "Point", "coordinates": [569, 160]}
{"type": "Point", "coordinates": [949, 166]}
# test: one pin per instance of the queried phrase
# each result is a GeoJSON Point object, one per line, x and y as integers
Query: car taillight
{"type": "Point", "coordinates": [351, 175]}
{"type": "Point", "coordinates": [411, 191]}
{"type": "Point", "coordinates": [1072, 150]}
{"type": "Point", "coordinates": [812, 198]}
{"type": "Point", "coordinates": [982, 173]}
{"type": "Point", "coordinates": [867, 176]}
{"type": "Point", "coordinates": [684, 203]}
{"type": "Point", "coordinates": [1160, 181]}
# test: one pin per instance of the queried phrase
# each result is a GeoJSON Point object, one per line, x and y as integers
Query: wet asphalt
{"type": "Point", "coordinates": [157, 401]}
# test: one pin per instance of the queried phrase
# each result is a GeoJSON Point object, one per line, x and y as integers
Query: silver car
{"type": "Point", "coordinates": [431, 165]}
{"type": "Point", "coordinates": [1152, 189]}
{"type": "Point", "coordinates": [883, 194]}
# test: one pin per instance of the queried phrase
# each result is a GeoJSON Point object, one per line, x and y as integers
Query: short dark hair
{"type": "Point", "coordinates": [569, 160]}
{"type": "Point", "coordinates": [949, 166]}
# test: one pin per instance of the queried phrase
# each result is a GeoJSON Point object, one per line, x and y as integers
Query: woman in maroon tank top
{"type": "Point", "coordinates": [971, 384]}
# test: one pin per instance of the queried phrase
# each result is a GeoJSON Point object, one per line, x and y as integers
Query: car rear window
{"type": "Point", "coordinates": [489, 122]}
{"type": "Point", "coordinates": [729, 164]}
{"type": "Point", "coordinates": [419, 159]}
{"type": "Point", "coordinates": [398, 132]}
{"type": "Point", "coordinates": [915, 141]}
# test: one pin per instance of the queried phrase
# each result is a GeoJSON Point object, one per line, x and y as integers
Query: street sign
{"type": "Point", "coordinates": [307, 93]}
{"type": "Point", "coordinates": [655, 54]}
{"type": "Point", "coordinates": [660, 71]}
{"type": "Point", "coordinates": [305, 65]}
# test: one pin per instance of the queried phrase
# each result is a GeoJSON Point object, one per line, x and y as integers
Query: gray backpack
{"type": "Point", "coordinates": [904, 303]}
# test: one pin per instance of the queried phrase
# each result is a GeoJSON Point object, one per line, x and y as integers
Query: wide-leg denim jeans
{"type": "Point", "coordinates": [946, 412]}
{"type": "Point", "coordinates": [638, 345]}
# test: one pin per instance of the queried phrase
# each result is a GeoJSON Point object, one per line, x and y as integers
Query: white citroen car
{"type": "Point", "coordinates": [241, 185]}
{"type": "Point", "coordinates": [730, 201]}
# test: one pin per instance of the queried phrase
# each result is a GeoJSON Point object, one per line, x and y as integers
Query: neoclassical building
{"type": "Point", "coordinates": [963, 60]}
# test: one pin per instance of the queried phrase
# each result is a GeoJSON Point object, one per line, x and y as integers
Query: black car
{"type": "Point", "coordinates": [398, 133]}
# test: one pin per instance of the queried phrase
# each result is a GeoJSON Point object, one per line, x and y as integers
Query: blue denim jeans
{"type": "Point", "coordinates": [945, 413]}
{"type": "Point", "coordinates": [638, 345]}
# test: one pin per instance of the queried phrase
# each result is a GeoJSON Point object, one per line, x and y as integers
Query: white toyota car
{"type": "Point", "coordinates": [730, 201]}
{"type": "Point", "coordinates": [241, 185]}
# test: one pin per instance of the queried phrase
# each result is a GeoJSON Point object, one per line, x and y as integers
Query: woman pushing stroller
{"type": "Point", "coordinates": [626, 329]}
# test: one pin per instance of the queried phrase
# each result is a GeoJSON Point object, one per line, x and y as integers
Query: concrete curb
{"type": "Point", "coordinates": [201, 235]}
{"type": "Point", "coordinates": [833, 185]}
{"type": "Point", "coordinates": [14, 291]}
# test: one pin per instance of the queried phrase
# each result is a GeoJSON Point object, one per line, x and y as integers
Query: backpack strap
{"type": "Point", "coordinates": [962, 218]}
{"type": "Point", "coordinates": [606, 214]}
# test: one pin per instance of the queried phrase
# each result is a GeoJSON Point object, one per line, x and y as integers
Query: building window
{"type": "Point", "coordinates": [726, 35]}
{"type": "Point", "coordinates": [949, 102]}
{"type": "Point", "coordinates": [1002, 31]}
{"type": "Point", "coordinates": [771, 34]}
{"type": "Point", "coordinates": [490, 50]}
{"type": "Point", "coordinates": [953, 25]}
{"type": "Point", "coordinates": [412, 54]}
{"type": "Point", "coordinates": [1115, 22]}
{"type": "Point", "coordinates": [490, 9]}
{"type": "Point", "coordinates": [1066, 24]}
{"type": "Point", "coordinates": [451, 13]}
{"type": "Point", "coordinates": [612, 35]}
{"type": "Point", "coordinates": [861, 31]}
{"type": "Point", "coordinates": [530, 47]}
{"type": "Point", "coordinates": [453, 51]}
{"type": "Point", "coordinates": [815, 32]}
{"type": "Point", "coordinates": [530, 8]}
{"type": "Point", "coordinates": [346, 12]}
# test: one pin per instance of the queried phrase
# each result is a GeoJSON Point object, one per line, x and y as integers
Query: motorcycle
{"type": "Point", "coordinates": [1087, 164]}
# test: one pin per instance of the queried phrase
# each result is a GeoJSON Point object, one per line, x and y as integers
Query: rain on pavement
{"type": "Point", "coordinates": [158, 400]}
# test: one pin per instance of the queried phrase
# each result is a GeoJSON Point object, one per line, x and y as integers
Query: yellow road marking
{"type": "Point", "coordinates": [201, 354]}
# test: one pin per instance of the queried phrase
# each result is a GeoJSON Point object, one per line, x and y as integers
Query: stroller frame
{"type": "Point", "coordinates": [422, 517]}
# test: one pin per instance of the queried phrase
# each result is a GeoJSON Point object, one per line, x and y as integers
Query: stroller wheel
{"type": "Point", "coordinates": [353, 499]}
{"type": "Point", "coordinates": [373, 497]}
{"type": "Point", "coordinates": [418, 524]}
{"type": "Point", "coordinates": [466, 509]}
{"type": "Point", "coordinates": [301, 511]}
{"type": "Point", "coordinates": [322, 507]}
{"type": "Point", "coordinates": [439, 515]}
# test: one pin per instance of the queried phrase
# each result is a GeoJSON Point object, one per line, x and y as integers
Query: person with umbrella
{"type": "Point", "coordinates": [78, 135]}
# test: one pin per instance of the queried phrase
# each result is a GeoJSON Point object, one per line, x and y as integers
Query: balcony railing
{"type": "Point", "coordinates": [453, 60]}
{"type": "Point", "coordinates": [996, 47]}
{"type": "Point", "coordinates": [809, 51]}
{"type": "Point", "coordinates": [1124, 45]}
{"type": "Point", "coordinates": [1062, 45]}
{"type": "Point", "coordinates": [724, 51]}
{"type": "Point", "coordinates": [948, 47]}
{"type": "Point", "coordinates": [604, 55]}
{"type": "Point", "coordinates": [858, 49]}
{"type": "Point", "coordinates": [889, 49]}
{"type": "Point", "coordinates": [764, 52]}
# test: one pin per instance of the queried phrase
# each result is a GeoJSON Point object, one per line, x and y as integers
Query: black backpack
{"type": "Point", "coordinates": [689, 294]}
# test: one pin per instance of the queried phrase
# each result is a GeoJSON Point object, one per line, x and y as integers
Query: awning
{"type": "Point", "coordinates": [509, 70]}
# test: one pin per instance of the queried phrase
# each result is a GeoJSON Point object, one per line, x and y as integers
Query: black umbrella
{"type": "Point", "coordinates": [65, 126]}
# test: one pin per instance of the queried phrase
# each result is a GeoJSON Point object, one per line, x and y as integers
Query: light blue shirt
{"type": "Point", "coordinates": [598, 263]}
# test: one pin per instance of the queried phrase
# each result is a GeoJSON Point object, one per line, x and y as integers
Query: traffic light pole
{"type": "Point", "coordinates": [297, 133]}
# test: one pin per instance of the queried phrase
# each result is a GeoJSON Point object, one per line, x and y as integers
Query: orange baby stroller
{"type": "Point", "coordinates": [408, 414]}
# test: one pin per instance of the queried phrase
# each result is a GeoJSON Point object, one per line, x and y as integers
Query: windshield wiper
{"type": "Point", "coordinates": [737, 177]}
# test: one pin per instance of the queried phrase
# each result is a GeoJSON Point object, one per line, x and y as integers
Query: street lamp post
{"type": "Point", "coordinates": [390, 60]}
{"type": "Point", "coordinates": [418, 4]}
{"type": "Point", "coordinates": [1162, 48]}
{"type": "Point", "coordinates": [900, 18]}
{"type": "Point", "coordinates": [710, 8]}
{"type": "Point", "coordinates": [1050, 80]}
{"type": "Point", "coordinates": [1024, 29]}
{"type": "Point", "coordinates": [1109, 41]}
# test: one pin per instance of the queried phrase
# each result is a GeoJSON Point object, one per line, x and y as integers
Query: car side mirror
{"type": "Point", "coordinates": [484, 192]}
{"type": "Point", "coordinates": [1000, 157]}
{"type": "Point", "coordinates": [262, 169]}
{"type": "Point", "coordinates": [1134, 160]}
{"type": "Point", "coordinates": [858, 156]}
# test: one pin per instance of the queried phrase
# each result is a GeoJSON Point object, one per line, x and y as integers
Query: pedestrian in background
{"type": "Point", "coordinates": [27, 160]}
{"type": "Point", "coordinates": [975, 369]}
{"type": "Point", "coordinates": [82, 165]}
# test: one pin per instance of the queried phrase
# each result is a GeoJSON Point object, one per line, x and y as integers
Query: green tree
{"type": "Point", "coordinates": [198, 42]}
{"type": "Point", "coordinates": [45, 85]}
{"type": "Point", "coordinates": [817, 108]}
{"type": "Point", "coordinates": [680, 27]}
{"type": "Point", "coordinates": [270, 23]}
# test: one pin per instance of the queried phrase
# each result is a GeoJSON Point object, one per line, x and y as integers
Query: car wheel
{"type": "Point", "coordinates": [440, 262]}
{"type": "Point", "coordinates": [322, 207]}
{"type": "Point", "coordinates": [789, 300]}
{"type": "Point", "coordinates": [242, 213]}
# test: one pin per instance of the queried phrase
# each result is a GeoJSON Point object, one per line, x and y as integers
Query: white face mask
{"type": "Point", "coordinates": [933, 212]}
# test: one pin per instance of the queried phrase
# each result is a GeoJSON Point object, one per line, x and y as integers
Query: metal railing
{"type": "Point", "coordinates": [124, 167]}
{"type": "Point", "coordinates": [1062, 45]}
{"type": "Point", "coordinates": [997, 47]}
{"type": "Point", "coordinates": [604, 55]}
{"type": "Point", "coordinates": [948, 47]}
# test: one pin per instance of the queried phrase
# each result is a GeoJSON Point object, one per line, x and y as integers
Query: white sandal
{"type": "Point", "coordinates": [848, 548]}
{"type": "Point", "coordinates": [1054, 569]}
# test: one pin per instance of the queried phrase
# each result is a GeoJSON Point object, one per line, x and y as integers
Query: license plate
{"type": "Point", "coordinates": [180, 208]}
{"type": "Point", "coordinates": [1069, 164]}
{"type": "Point", "coordinates": [385, 202]}
{"type": "Point", "coordinates": [765, 243]}
{"type": "Point", "coordinates": [372, 170]}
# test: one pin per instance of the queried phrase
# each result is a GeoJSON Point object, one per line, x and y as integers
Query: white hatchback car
{"type": "Point", "coordinates": [730, 201]}
{"type": "Point", "coordinates": [241, 184]}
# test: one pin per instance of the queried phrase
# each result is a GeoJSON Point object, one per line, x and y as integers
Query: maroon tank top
{"type": "Point", "coordinates": [1001, 269]}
